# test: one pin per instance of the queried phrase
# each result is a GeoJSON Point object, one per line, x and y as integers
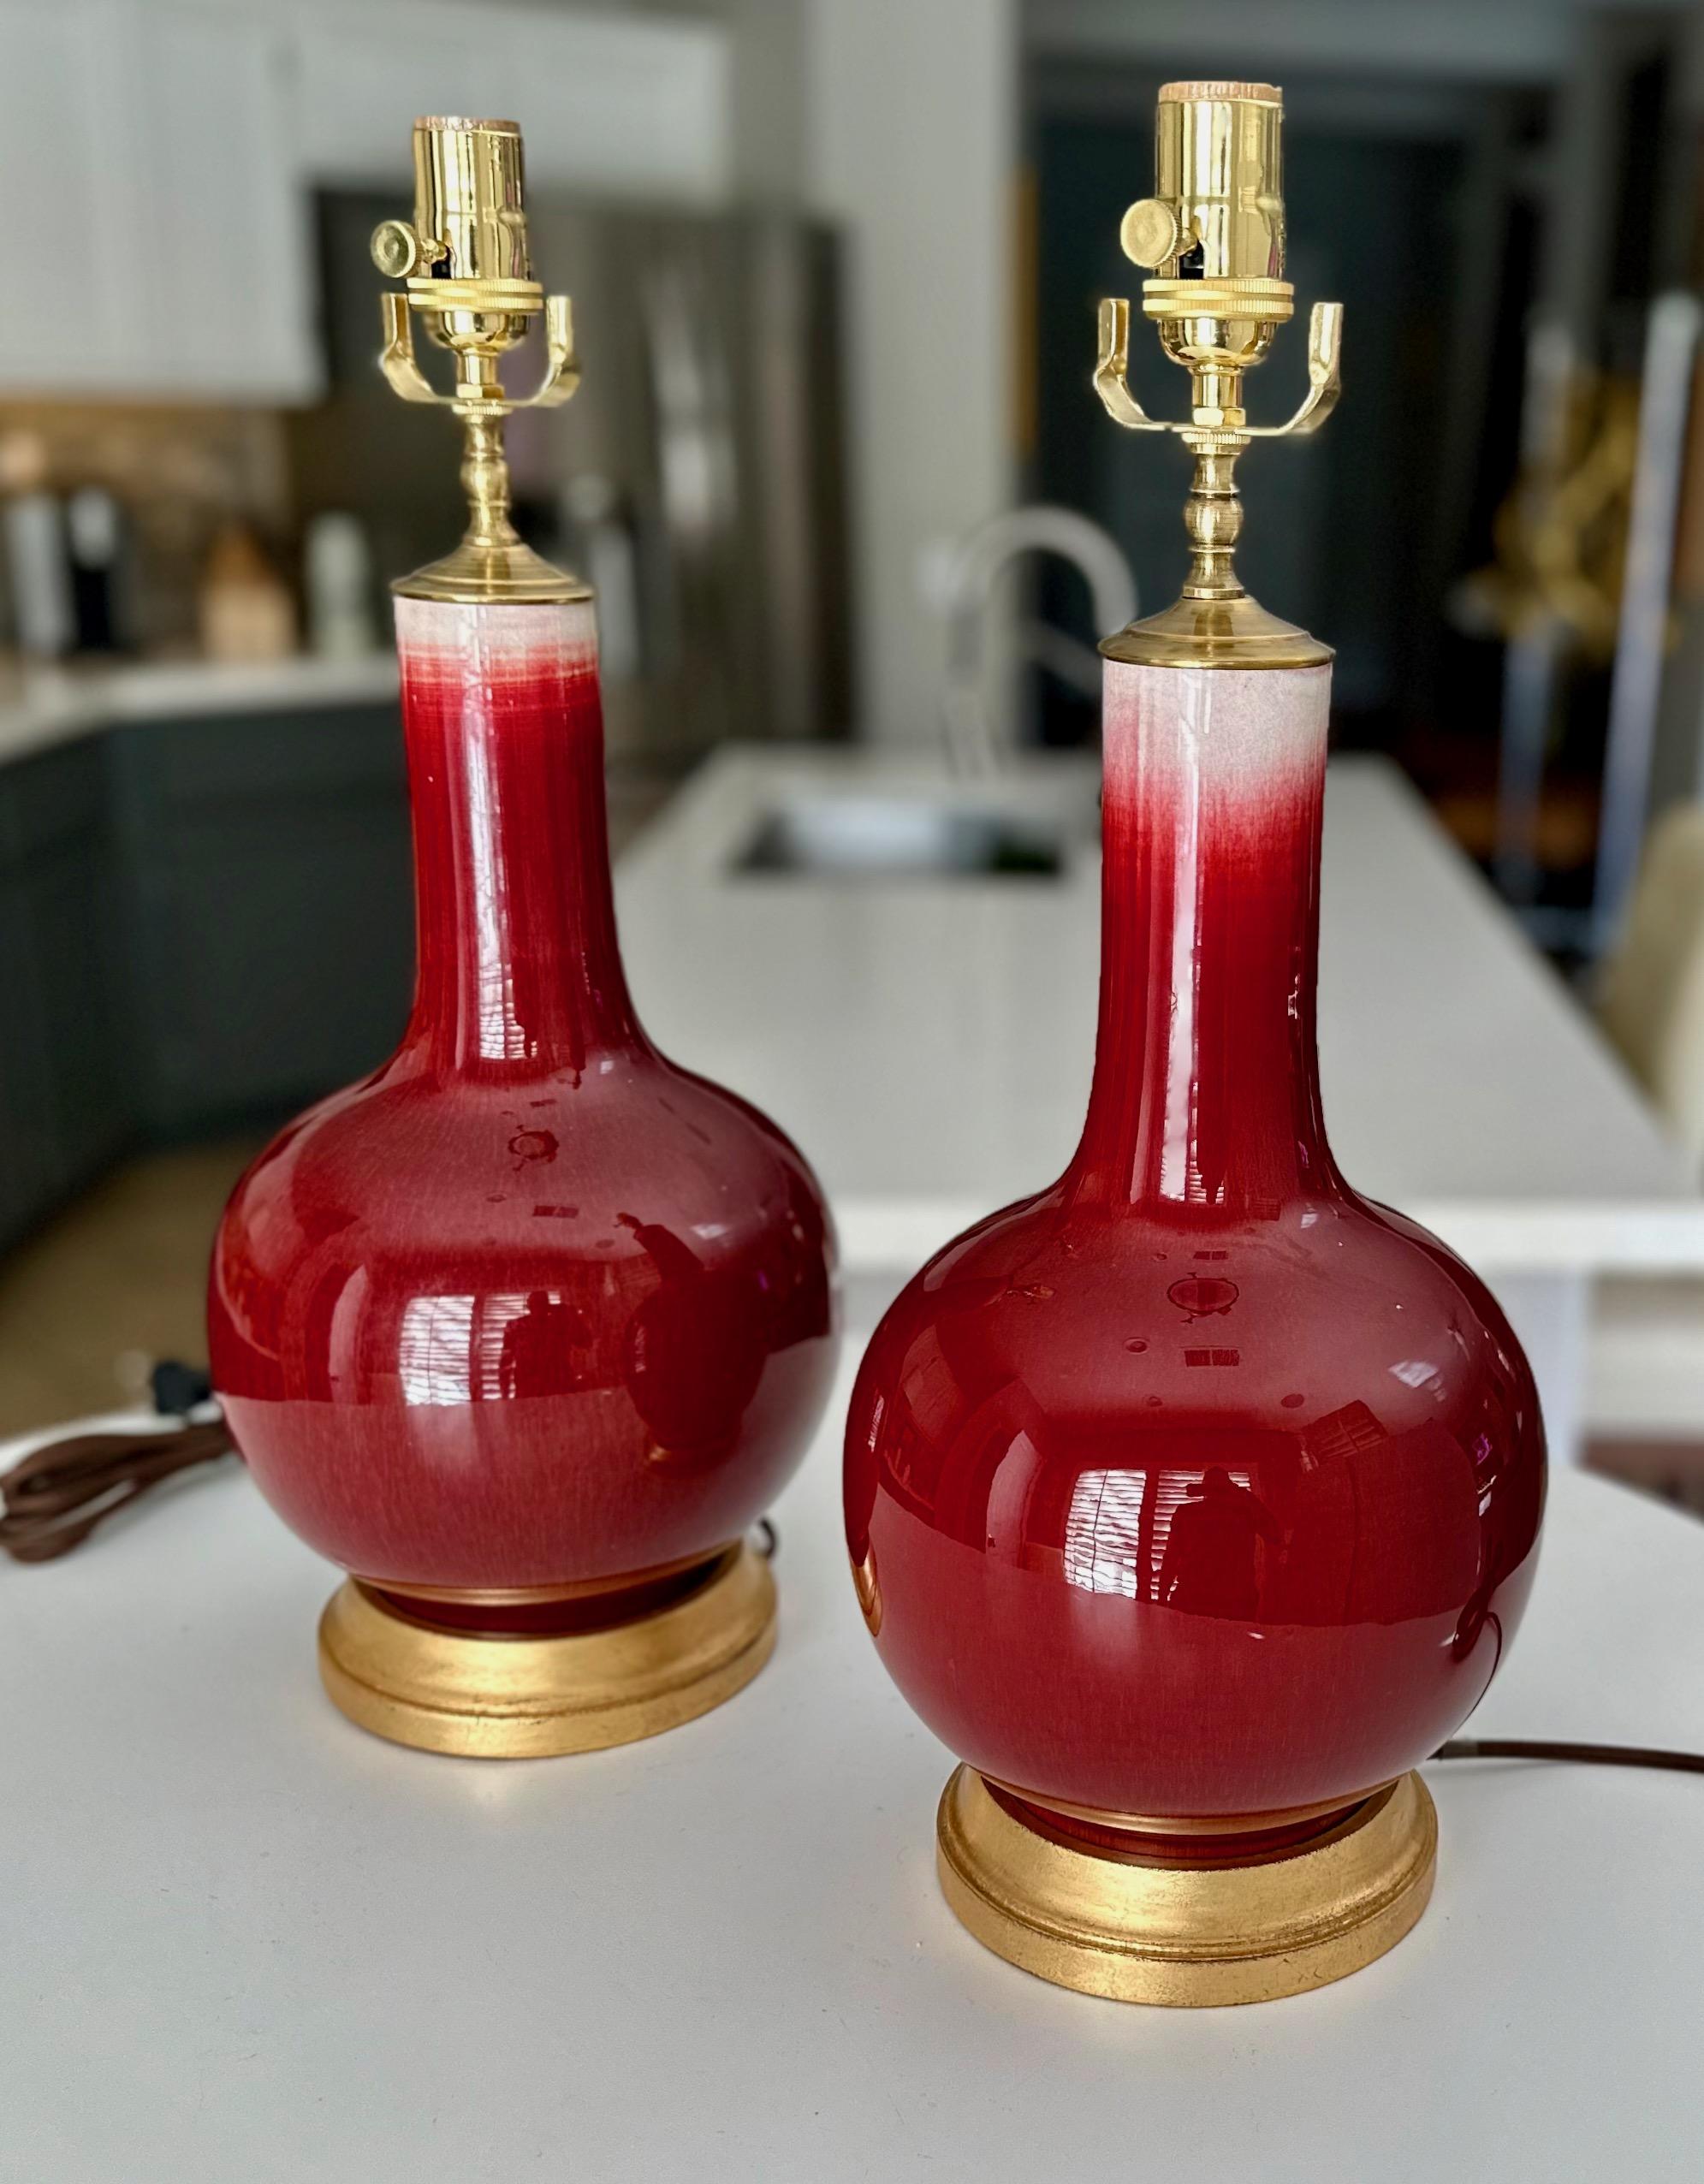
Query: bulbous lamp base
{"type": "Point", "coordinates": [1172, 1921]}
{"type": "Point", "coordinates": [519, 1694]}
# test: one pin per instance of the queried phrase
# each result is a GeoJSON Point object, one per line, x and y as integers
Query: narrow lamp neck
{"type": "Point", "coordinates": [519, 971]}
{"type": "Point", "coordinates": [1206, 1095]}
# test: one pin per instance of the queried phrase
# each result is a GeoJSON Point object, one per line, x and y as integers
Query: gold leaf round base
{"type": "Point", "coordinates": [1189, 1934]}
{"type": "Point", "coordinates": [538, 1697]}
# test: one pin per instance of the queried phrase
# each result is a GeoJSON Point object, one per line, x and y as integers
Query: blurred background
{"type": "Point", "coordinates": [835, 268]}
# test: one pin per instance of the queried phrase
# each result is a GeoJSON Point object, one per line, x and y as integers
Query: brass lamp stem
{"type": "Point", "coordinates": [1213, 516]}
{"type": "Point", "coordinates": [485, 479]}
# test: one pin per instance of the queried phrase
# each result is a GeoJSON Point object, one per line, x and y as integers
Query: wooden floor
{"type": "Point", "coordinates": [117, 1281]}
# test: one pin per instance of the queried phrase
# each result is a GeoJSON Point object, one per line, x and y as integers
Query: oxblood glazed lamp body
{"type": "Point", "coordinates": [526, 1330]}
{"type": "Point", "coordinates": [1194, 1500]}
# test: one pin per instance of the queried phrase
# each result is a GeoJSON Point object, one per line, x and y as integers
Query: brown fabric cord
{"type": "Point", "coordinates": [1595, 1755]}
{"type": "Point", "coordinates": [52, 1500]}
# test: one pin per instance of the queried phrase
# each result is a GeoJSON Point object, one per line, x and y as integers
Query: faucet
{"type": "Point", "coordinates": [965, 589]}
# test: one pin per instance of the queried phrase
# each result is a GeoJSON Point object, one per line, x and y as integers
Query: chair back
{"type": "Point", "coordinates": [1651, 1003]}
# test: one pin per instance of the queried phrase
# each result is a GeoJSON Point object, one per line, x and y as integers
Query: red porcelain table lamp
{"type": "Point", "coordinates": [525, 1330]}
{"type": "Point", "coordinates": [1194, 1499]}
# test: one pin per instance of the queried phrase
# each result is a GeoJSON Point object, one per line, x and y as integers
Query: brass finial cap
{"type": "Point", "coordinates": [1216, 89]}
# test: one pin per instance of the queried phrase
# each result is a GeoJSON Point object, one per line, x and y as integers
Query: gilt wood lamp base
{"type": "Point", "coordinates": [532, 1697]}
{"type": "Point", "coordinates": [1195, 1932]}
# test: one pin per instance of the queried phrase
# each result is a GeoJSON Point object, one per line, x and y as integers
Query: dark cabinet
{"type": "Point", "coordinates": [66, 1056]}
{"type": "Point", "coordinates": [269, 908]}
{"type": "Point", "coordinates": [203, 925]}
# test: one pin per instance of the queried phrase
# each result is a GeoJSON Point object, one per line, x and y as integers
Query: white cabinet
{"type": "Point", "coordinates": [156, 246]}
{"type": "Point", "coordinates": [157, 159]}
{"type": "Point", "coordinates": [367, 71]}
{"type": "Point", "coordinates": [229, 291]}
{"type": "Point", "coordinates": [72, 277]}
{"type": "Point", "coordinates": [616, 105]}
{"type": "Point", "coordinates": [624, 106]}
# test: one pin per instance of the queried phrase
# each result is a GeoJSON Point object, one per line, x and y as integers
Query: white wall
{"type": "Point", "coordinates": [768, 42]}
{"type": "Point", "coordinates": [910, 145]}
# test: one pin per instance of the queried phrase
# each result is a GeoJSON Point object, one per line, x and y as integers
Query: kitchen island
{"type": "Point", "coordinates": [928, 1039]}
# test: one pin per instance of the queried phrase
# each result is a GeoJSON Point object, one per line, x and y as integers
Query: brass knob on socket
{"type": "Point", "coordinates": [396, 249]}
{"type": "Point", "coordinates": [1150, 233]}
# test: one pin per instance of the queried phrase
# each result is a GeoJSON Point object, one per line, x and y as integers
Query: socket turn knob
{"type": "Point", "coordinates": [396, 250]}
{"type": "Point", "coordinates": [1150, 232]}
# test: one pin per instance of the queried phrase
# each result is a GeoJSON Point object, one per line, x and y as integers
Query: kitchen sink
{"type": "Point", "coordinates": [876, 837]}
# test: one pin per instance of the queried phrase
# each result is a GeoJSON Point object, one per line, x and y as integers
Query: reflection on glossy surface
{"type": "Point", "coordinates": [529, 1306]}
{"type": "Point", "coordinates": [1196, 1484]}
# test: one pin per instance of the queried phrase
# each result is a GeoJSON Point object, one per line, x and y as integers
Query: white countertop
{"type": "Point", "coordinates": [44, 706]}
{"type": "Point", "coordinates": [930, 1043]}
{"type": "Point", "coordinates": [239, 1939]}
